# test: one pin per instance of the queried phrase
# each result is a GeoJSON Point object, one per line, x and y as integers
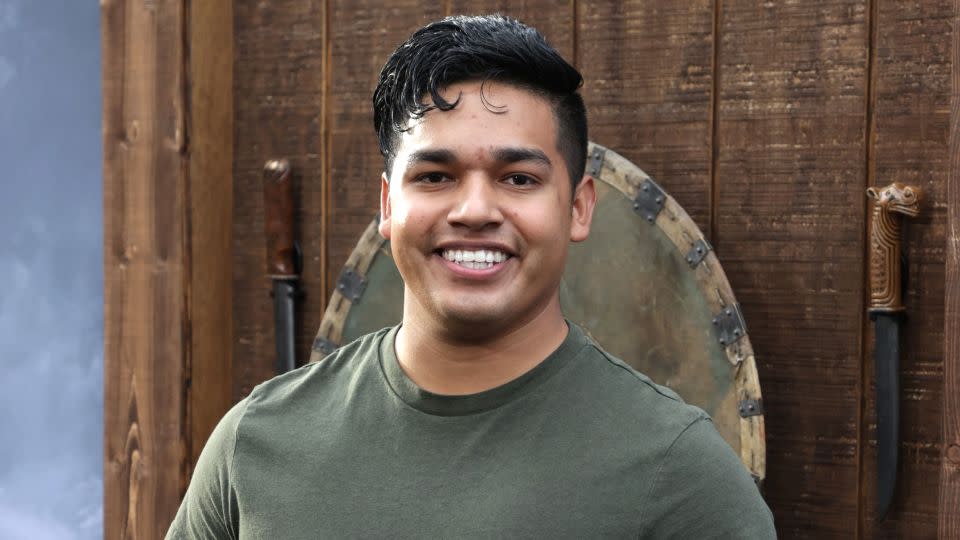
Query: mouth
{"type": "Point", "coordinates": [475, 259]}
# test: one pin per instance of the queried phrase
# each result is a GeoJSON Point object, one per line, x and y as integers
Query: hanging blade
{"type": "Point", "coordinates": [887, 368]}
{"type": "Point", "coordinates": [282, 257]}
{"type": "Point", "coordinates": [886, 309]}
{"type": "Point", "coordinates": [284, 303]}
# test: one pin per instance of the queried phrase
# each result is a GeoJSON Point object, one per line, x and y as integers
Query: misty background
{"type": "Point", "coordinates": [51, 271]}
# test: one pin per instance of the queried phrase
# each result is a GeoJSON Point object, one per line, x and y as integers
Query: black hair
{"type": "Point", "coordinates": [484, 48]}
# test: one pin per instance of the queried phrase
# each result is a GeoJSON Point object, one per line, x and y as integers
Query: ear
{"type": "Point", "coordinates": [584, 200]}
{"type": "Point", "coordinates": [385, 211]}
{"type": "Point", "coordinates": [873, 193]}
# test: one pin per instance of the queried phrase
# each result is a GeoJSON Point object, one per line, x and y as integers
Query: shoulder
{"type": "Point", "coordinates": [701, 475]}
{"type": "Point", "coordinates": [347, 362]}
{"type": "Point", "coordinates": [699, 488]}
{"type": "Point", "coordinates": [633, 396]}
{"type": "Point", "coordinates": [279, 407]}
{"type": "Point", "coordinates": [209, 507]}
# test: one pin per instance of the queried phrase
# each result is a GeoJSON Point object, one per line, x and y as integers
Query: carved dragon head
{"type": "Point", "coordinates": [897, 198]}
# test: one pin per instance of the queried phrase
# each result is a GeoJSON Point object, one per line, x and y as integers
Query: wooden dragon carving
{"type": "Point", "coordinates": [891, 203]}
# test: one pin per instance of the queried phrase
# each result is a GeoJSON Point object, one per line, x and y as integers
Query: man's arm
{"type": "Point", "coordinates": [703, 491]}
{"type": "Point", "coordinates": [209, 508]}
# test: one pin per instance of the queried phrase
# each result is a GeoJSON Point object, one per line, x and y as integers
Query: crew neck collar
{"type": "Point", "coordinates": [461, 405]}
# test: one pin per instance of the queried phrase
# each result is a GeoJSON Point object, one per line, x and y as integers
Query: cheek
{"type": "Point", "coordinates": [410, 222]}
{"type": "Point", "coordinates": [401, 216]}
{"type": "Point", "coordinates": [542, 222]}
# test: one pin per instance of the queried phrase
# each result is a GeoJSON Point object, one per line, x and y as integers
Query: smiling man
{"type": "Point", "coordinates": [484, 413]}
{"type": "Point", "coordinates": [480, 208]}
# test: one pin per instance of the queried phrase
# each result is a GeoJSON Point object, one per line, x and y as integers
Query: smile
{"type": "Point", "coordinates": [479, 259]}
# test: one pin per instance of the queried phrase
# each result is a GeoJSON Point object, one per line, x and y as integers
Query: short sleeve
{"type": "Point", "coordinates": [702, 490]}
{"type": "Point", "coordinates": [209, 508]}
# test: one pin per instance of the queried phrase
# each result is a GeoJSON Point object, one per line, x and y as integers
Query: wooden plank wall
{"type": "Point", "coordinates": [168, 160]}
{"type": "Point", "coordinates": [766, 121]}
{"type": "Point", "coordinates": [279, 68]}
{"type": "Point", "coordinates": [949, 502]}
{"type": "Point", "coordinates": [790, 207]}
{"type": "Point", "coordinates": [648, 85]}
{"type": "Point", "coordinates": [145, 266]}
{"type": "Point", "coordinates": [908, 142]}
{"type": "Point", "coordinates": [209, 70]}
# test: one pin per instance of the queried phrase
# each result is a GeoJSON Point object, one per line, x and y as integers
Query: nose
{"type": "Point", "coordinates": [476, 205]}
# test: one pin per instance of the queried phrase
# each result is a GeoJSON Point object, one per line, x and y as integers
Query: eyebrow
{"type": "Point", "coordinates": [432, 155]}
{"type": "Point", "coordinates": [515, 155]}
{"type": "Point", "coordinates": [444, 156]}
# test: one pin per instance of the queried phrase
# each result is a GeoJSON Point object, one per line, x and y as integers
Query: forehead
{"type": "Point", "coordinates": [489, 114]}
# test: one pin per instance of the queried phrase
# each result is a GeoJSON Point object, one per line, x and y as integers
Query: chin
{"type": "Point", "coordinates": [473, 321]}
{"type": "Point", "coordinates": [471, 316]}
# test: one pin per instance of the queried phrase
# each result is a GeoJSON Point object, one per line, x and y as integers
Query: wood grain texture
{"type": "Point", "coordinates": [948, 523]}
{"type": "Point", "coordinates": [362, 36]}
{"type": "Point", "coordinates": [145, 265]}
{"type": "Point", "coordinates": [790, 217]}
{"type": "Point", "coordinates": [210, 195]}
{"type": "Point", "coordinates": [910, 143]}
{"type": "Point", "coordinates": [280, 64]}
{"type": "Point", "coordinates": [648, 81]}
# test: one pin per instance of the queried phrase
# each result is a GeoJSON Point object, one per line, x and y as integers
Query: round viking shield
{"type": "Point", "coordinates": [645, 285]}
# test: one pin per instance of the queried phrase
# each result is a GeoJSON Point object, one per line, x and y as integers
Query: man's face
{"type": "Point", "coordinates": [478, 211]}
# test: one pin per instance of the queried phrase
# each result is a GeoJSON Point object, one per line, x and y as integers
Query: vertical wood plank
{"type": "Point", "coordinates": [362, 34]}
{"type": "Point", "coordinates": [948, 525]}
{"type": "Point", "coordinates": [145, 265]}
{"type": "Point", "coordinates": [210, 188]}
{"type": "Point", "coordinates": [910, 145]}
{"type": "Point", "coordinates": [648, 77]}
{"type": "Point", "coordinates": [790, 219]}
{"type": "Point", "coordinates": [281, 61]}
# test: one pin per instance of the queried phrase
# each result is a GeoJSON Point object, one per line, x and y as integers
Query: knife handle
{"type": "Point", "coordinates": [890, 204]}
{"type": "Point", "coordinates": [278, 222]}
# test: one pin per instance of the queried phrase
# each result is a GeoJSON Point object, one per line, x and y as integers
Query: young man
{"type": "Point", "coordinates": [484, 414]}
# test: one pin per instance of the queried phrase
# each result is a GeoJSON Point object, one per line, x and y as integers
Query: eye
{"type": "Point", "coordinates": [432, 178]}
{"type": "Point", "coordinates": [521, 180]}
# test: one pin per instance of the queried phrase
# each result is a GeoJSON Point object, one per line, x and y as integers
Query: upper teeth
{"type": "Point", "coordinates": [480, 255]}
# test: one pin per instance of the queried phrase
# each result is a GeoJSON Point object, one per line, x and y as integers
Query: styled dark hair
{"type": "Point", "coordinates": [485, 48]}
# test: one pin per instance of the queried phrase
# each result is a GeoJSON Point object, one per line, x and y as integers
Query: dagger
{"type": "Point", "coordinates": [886, 310]}
{"type": "Point", "coordinates": [282, 257]}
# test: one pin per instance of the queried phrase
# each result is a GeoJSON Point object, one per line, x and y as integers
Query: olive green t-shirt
{"type": "Point", "coordinates": [581, 446]}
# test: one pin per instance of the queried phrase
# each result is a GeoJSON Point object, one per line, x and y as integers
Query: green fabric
{"type": "Point", "coordinates": [582, 446]}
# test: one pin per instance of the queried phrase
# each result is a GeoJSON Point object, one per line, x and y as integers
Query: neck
{"type": "Point", "coordinates": [448, 363]}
